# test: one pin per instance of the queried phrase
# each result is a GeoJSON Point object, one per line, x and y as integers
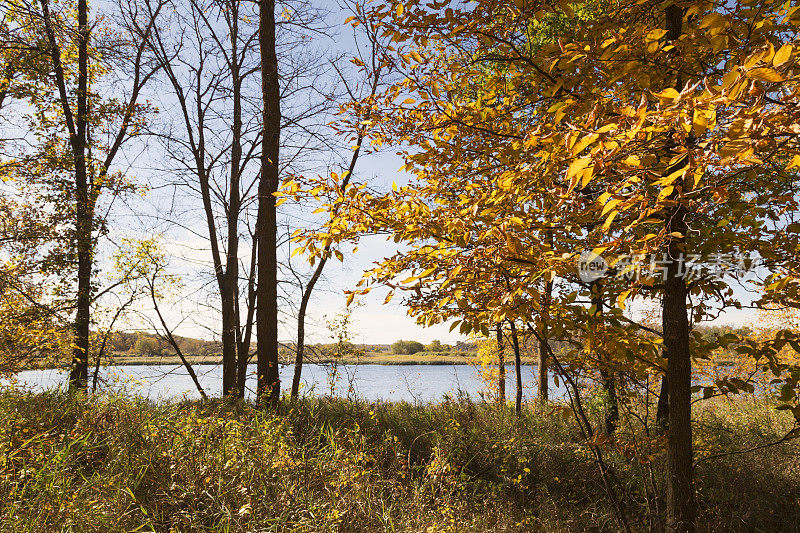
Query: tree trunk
{"type": "Point", "coordinates": [675, 324]}
{"type": "Point", "coordinates": [662, 407]}
{"type": "Point", "coordinates": [83, 212]}
{"type": "Point", "coordinates": [268, 388]}
{"type": "Point", "coordinates": [517, 368]}
{"type": "Point", "coordinates": [230, 309]}
{"type": "Point", "coordinates": [680, 493]}
{"type": "Point", "coordinates": [229, 327]}
{"type": "Point", "coordinates": [542, 379]}
{"type": "Point", "coordinates": [244, 342]}
{"type": "Point", "coordinates": [612, 407]}
{"type": "Point", "coordinates": [501, 366]}
{"type": "Point", "coordinates": [607, 374]}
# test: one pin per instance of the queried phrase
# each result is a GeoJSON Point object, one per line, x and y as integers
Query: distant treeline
{"type": "Point", "coordinates": [148, 344]}
{"type": "Point", "coordinates": [141, 343]}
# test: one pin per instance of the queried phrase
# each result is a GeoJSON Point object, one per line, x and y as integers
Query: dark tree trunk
{"type": "Point", "coordinates": [542, 379]}
{"type": "Point", "coordinates": [675, 324]}
{"type": "Point", "coordinates": [87, 189]}
{"type": "Point", "coordinates": [517, 368]}
{"type": "Point", "coordinates": [680, 493]}
{"type": "Point", "coordinates": [225, 260]}
{"type": "Point", "coordinates": [229, 327]}
{"type": "Point", "coordinates": [501, 366]}
{"type": "Point", "coordinates": [662, 407]}
{"type": "Point", "coordinates": [607, 374]}
{"type": "Point", "coordinates": [244, 342]}
{"type": "Point", "coordinates": [230, 307]}
{"type": "Point", "coordinates": [612, 409]}
{"type": "Point", "coordinates": [268, 388]}
{"type": "Point", "coordinates": [83, 211]}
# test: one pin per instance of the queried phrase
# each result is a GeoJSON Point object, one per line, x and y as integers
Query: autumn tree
{"type": "Point", "coordinates": [657, 131]}
{"type": "Point", "coordinates": [76, 132]}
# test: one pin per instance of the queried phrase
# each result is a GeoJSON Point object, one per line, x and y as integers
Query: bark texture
{"type": "Point", "coordinates": [675, 323]}
{"type": "Point", "coordinates": [268, 387]}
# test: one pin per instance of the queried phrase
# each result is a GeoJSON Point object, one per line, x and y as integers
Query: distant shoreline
{"type": "Point", "coordinates": [377, 359]}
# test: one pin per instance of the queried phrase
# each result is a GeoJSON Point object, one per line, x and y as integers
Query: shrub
{"type": "Point", "coordinates": [325, 464]}
{"type": "Point", "coordinates": [414, 347]}
{"type": "Point", "coordinates": [407, 347]}
{"type": "Point", "coordinates": [434, 346]}
{"type": "Point", "coordinates": [146, 346]}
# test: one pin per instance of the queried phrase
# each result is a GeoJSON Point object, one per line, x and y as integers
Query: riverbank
{"type": "Point", "coordinates": [366, 359]}
{"type": "Point", "coordinates": [126, 464]}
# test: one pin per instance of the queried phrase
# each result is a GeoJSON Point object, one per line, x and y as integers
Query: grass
{"type": "Point", "coordinates": [125, 464]}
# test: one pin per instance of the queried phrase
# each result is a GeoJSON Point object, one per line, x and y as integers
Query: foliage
{"type": "Point", "coordinates": [146, 346]}
{"type": "Point", "coordinates": [70, 116]}
{"type": "Point", "coordinates": [33, 313]}
{"type": "Point", "coordinates": [437, 346]}
{"type": "Point", "coordinates": [124, 463]}
{"type": "Point", "coordinates": [407, 347]}
{"type": "Point", "coordinates": [30, 336]}
{"type": "Point", "coordinates": [519, 169]}
{"type": "Point", "coordinates": [662, 131]}
{"type": "Point", "coordinates": [486, 365]}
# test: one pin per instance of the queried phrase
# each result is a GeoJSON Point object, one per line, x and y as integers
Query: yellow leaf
{"type": "Point", "coordinates": [409, 101]}
{"type": "Point", "coordinates": [583, 143]}
{"type": "Point", "coordinates": [622, 297]}
{"type": "Point", "coordinates": [632, 161]}
{"type": "Point", "coordinates": [795, 163]}
{"type": "Point", "coordinates": [783, 55]}
{"type": "Point", "coordinates": [577, 166]}
{"type": "Point", "coordinates": [765, 74]}
{"type": "Point", "coordinates": [655, 35]}
{"type": "Point", "coordinates": [699, 122]}
{"type": "Point", "coordinates": [426, 273]}
{"type": "Point", "coordinates": [610, 205]}
{"type": "Point", "coordinates": [610, 219]}
{"type": "Point", "coordinates": [606, 128]}
{"type": "Point", "coordinates": [666, 191]}
{"type": "Point", "coordinates": [596, 253]}
{"type": "Point", "coordinates": [669, 180]}
{"type": "Point", "coordinates": [668, 95]}
{"type": "Point", "coordinates": [713, 20]}
{"type": "Point", "coordinates": [399, 10]}
{"type": "Point", "coordinates": [586, 177]}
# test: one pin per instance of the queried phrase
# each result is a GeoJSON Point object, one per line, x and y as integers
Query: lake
{"type": "Point", "coordinates": [411, 383]}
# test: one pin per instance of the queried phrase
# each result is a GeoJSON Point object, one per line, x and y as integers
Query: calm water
{"type": "Point", "coordinates": [411, 383]}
